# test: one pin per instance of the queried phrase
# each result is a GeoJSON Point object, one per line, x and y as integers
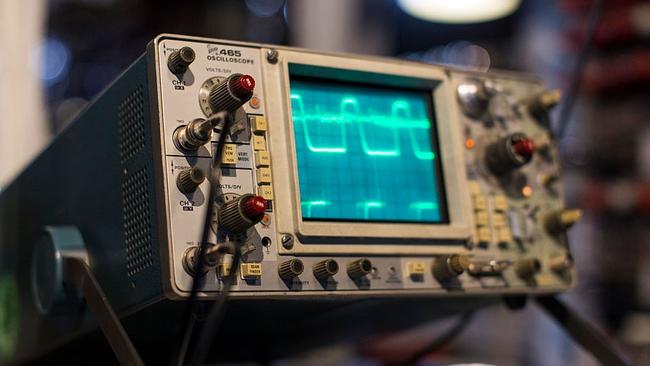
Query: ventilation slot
{"type": "Point", "coordinates": [137, 222]}
{"type": "Point", "coordinates": [131, 124]}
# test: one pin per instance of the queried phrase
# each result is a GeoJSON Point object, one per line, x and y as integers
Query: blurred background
{"type": "Point", "coordinates": [58, 55]}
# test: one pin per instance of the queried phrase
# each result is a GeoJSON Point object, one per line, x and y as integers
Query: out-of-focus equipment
{"type": "Point", "coordinates": [340, 178]}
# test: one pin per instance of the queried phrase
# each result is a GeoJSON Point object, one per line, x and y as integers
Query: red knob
{"type": "Point", "coordinates": [242, 86]}
{"type": "Point", "coordinates": [524, 147]}
{"type": "Point", "coordinates": [253, 207]}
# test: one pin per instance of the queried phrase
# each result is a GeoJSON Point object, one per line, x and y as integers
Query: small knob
{"type": "Point", "coordinates": [561, 263]}
{"type": "Point", "coordinates": [188, 180]}
{"type": "Point", "coordinates": [473, 97]}
{"type": "Point", "coordinates": [326, 269]}
{"type": "Point", "coordinates": [231, 93]}
{"type": "Point", "coordinates": [195, 134]}
{"type": "Point", "coordinates": [560, 221]}
{"type": "Point", "coordinates": [528, 267]}
{"type": "Point", "coordinates": [180, 60]}
{"type": "Point", "coordinates": [449, 266]}
{"type": "Point", "coordinates": [238, 215]}
{"type": "Point", "coordinates": [509, 153]}
{"type": "Point", "coordinates": [543, 102]}
{"type": "Point", "coordinates": [290, 269]}
{"type": "Point", "coordinates": [359, 268]}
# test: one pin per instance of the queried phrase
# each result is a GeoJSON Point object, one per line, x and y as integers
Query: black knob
{"type": "Point", "coordinates": [447, 267]}
{"type": "Point", "coordinates": [359, 268]}
{"type": "Point", "coordinates": [528, 267]}
{"type": "Point", "coordinates": [238, 215]}
{"type": "Point", "coordinates": [290, 269]}
{"type": "Point", "coordinates": [509, 153]}
{"type": "Point", "coordinates": [231, 93]}
{"type": "Point", "coordinates": [188, 180]}
{"type": "Point", "coordinates": [180, 60]}
{"type": "Point", "coordinates": [326, 269]}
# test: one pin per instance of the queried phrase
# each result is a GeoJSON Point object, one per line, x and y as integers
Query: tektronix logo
{"type": "Point", "coordinates": [212, 49]}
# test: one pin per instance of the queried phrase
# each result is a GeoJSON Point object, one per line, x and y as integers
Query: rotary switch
{"type": "Point", "coordinates": [290, 269]}
{"type": "Point", "coordinates": [450, 266]}
{"type": "Point", "coordinates": [188, 180]}
{"type": "Point", "coordinates": [359, 268]}
{"type": "Point", "coordinates": [231, 93]}
{"type": "Point", "coordinates": [325, 269]}
{"type": "Point", "coordinates": [238, 215]}
{"type": "Point", "coordinates": [527, 268]}
{"type": "Point", "coordinates": [180, 60]}
{"type": "Point", "coordinates": [509, 153]}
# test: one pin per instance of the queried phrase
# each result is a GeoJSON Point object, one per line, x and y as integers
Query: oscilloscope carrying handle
{"type": "Point", "coordinates": [77, 272]}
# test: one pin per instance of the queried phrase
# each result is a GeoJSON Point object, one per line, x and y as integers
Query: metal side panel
{"type": "Point", "coordinates": [97, 175]}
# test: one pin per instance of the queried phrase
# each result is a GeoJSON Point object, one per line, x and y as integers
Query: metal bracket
{"type": "Point", "coordinates": [60, 257]}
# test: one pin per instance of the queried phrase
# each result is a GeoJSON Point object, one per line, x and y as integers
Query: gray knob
{"type": "Point", "coordinates": [290, 269]}
{"type": "Point", "coordinates": [326, 269]}
{"type": "Point", "coordinates": [231, 93]}
{"type": "Point", "coordinates": [238, 215]}
{"type": "Point", "coordinates": [180, 60]}
{"type": "Point", "coordinates": [447, 267]}
{"type": "Point", "coordinates": [188, 180]}
{"type": "Point", "coordinates": [528, 267]}
{"type": "Point", "coordinates": [359, 268]}
{"type": "Point", "coordinates": [473, 97]}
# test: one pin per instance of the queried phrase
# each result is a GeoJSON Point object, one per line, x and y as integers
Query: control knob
{"type": "Point", "coordinates": [231, 93]}
{"type": "Point", "coordinates": [359, 268]}
{"type": "Point", "coordinates": [449, 266]}
{"type": "Point", "coordinates": [509, 153]}
{"type": "Point", "coordinates": [527, 268]}
{"type": "Point", "coordinates": [325, 269]}
{"type": "Point", "coordinates": [239, 214]}
{"type": "Point", "coordinates": [290, 269]}
{"type": "Point", "coordinates": [473, 97]}
{"type": "Point", "coordinates": [180, 60]}
{"type": "Point", "coordinates": [188, 180]}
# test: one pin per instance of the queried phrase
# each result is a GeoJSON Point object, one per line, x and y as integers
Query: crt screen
{"type": "Point", "coordinates": [366, 153]}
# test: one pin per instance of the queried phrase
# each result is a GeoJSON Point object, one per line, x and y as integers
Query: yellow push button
{"type": "Point", "coordinates": [251, 270]}
{"type": "Point", "coordinates": [481, 218]}
{"type": "Point", "coordinates": [500, 203]}
{"type": "Point", "coordinates": [262, 158]}
{"type": "Point", "coordinates": [504, 235]}
{"type": "Point", "coordinates": [229, 154]}
{"type": "Point", "coordinates": [264, 176]}
{"type": "Point", "coordinates": [258, 124]}
{"type": "Point", "coordinates": [484, 235]}
{"type": "Point", "coordinates": [416, 268]}
{"type": "Point", "coordinates": [224, 269]}
{"type": "Point", "coordinates": [480, 203]}
{"type": "Point", "coordinates": [474, 187]}
{"type": "Point", "coordinates": [498, 220]}
{"type": "Point", "coordinates": [259, 143]}
{"type": "Point", "coordinates": [266, 191]}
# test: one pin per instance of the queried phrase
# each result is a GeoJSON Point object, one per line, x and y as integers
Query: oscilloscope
{"type": "Point", "coordinates": [348, 176]}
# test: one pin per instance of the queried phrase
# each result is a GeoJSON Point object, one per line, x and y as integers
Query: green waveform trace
{"type": "Point", "coordinates": [350, 113]}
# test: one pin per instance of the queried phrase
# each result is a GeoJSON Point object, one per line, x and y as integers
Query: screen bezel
{"type": "Point", "coordinates": [299, 74]}
{"type": "Point", "coordinates": [398, 237]}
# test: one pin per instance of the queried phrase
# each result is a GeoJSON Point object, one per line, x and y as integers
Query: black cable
{"type": "Point", "coordinates": [442, 340]}
{"type": "Point", "coordinates": [215, 316]}
{"type": "Point", "coordinates": [584, 333]}
{"type": "Point", "coordinates": [214, 176]}
{"type": "Point", "coordinates": [576, 79]}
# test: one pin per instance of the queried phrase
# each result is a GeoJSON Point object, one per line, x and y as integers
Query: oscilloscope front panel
{"type": "Point", "coordinates": [363, 159]}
